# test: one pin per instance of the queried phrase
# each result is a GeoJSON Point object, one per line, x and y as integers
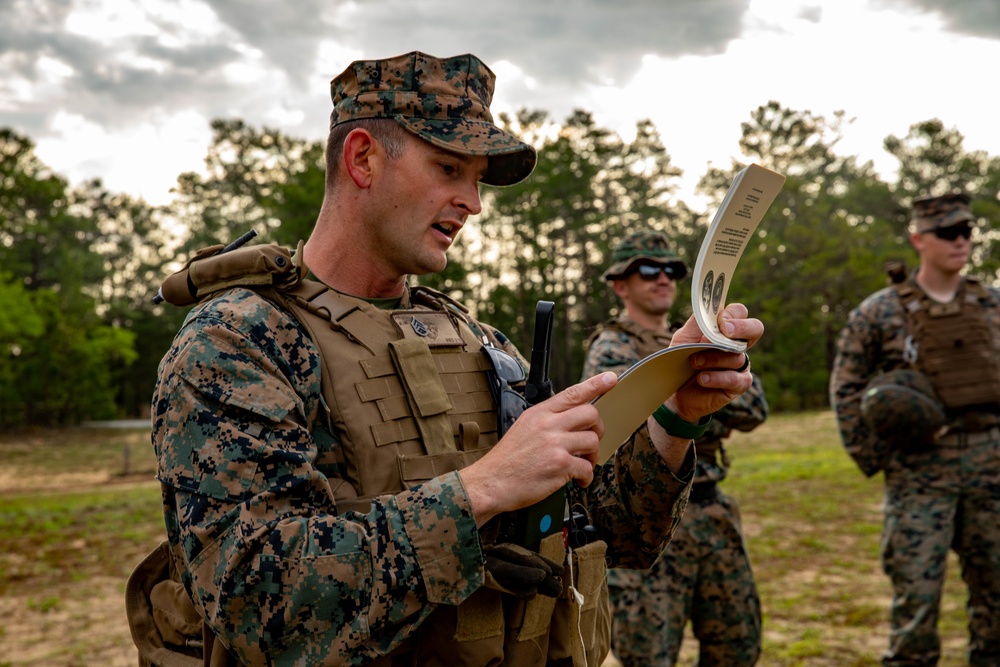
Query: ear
{"type": "Point", "coordinates": [917, 241]}
{"type": "Point", "coordinates": [359, 148]}
{"type": "Point", "coordinates": [620, 288]}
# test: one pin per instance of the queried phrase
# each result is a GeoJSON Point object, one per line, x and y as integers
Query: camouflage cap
{"type": "Point", "coordinates": [941, 211]}
{"type": "Point", "coordinates": [649, 246]}
{"type": "Point", "coordinates": [445, 101]}
{"type": "Point", "coordinates": [902, 409]}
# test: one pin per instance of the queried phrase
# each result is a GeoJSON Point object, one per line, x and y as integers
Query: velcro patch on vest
{"type": "Point", "coordinates": [435, 329]}
{"type": "Point", "coordinates": [949, 309]}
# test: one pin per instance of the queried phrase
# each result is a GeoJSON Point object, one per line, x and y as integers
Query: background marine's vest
{"type": "Point", "coordinates": [951, 343]}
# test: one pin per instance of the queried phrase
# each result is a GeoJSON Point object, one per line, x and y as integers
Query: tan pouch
{"type": "Point", "coordinates": [582, 632]}
{"type": "Point", "coordinates": [165, 632]}
{"type": "Point", "coordinates": [252, 266]}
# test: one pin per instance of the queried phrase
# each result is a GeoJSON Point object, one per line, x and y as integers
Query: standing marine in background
{"type": "Point", "coordinates": [916, 390]}
{"type": "Point", "coordinates": [704, 573]}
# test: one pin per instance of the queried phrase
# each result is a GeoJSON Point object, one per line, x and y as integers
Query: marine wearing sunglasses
{"type": "Point", "coordinates": [951, 232]}
{"type": "Point", "coordinates": [650, 272]}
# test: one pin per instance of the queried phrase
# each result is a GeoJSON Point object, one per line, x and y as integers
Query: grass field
{"type": "Point", "coordinates": [79, 508]}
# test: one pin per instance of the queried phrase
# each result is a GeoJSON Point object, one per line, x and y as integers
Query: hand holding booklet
{"type": "Point", "coordinates": [648, 383]}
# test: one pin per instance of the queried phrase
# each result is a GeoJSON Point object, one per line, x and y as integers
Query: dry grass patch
{"type": "Point", "coordinates": [79, 508]}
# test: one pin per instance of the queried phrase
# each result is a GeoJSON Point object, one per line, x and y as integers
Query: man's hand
{"type": "Point", "coordinates": [550, 444]}
{"type": "Point", "coordinates": [720, 378]}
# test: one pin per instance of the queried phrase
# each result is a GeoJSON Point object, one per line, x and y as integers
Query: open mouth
{"type": "Point", "coordinates": [445, 228]}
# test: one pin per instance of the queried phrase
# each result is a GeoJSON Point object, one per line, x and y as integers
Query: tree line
{"type": "Point", "coordinates": [81, 339]}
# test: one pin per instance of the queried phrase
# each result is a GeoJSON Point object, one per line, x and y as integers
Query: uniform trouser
{"type": "Point", "coordinates": [703, 575]}
{"type": "Point", "coordinates": [944, 497]}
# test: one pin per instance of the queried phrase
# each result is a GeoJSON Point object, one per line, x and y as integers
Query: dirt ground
{"type": "Point", "coordinates": [78, 510]}
{"type": "Point", "coordinates": [62, 588]}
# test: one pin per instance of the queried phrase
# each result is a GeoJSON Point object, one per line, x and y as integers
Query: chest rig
{"type": "Point", "coordinates": [951, 343]}
{"type": "Point", "coordinates": [407, 391]}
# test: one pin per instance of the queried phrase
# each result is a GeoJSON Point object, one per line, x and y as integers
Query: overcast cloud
{"type": "Point", "coordinates": [108, 77]}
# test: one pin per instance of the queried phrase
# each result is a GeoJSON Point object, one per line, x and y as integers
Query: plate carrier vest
{"type": "Point", "coordinates": [951, 343]}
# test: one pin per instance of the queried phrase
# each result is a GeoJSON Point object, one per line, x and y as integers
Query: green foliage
{"type": "Point", "coordinates": [64, 375]}
{"type": "Point", "coordinates": [257, 179]}
{"type": "Point", "coordinates": [79, 337]}
{"type": "Point", "coordinates": [58, 355]}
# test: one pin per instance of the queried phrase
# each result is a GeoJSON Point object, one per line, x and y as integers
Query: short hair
{"type": "Point", "coordinates": [386, 131]}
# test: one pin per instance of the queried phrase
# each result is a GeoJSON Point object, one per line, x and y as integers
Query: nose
{"type": "Point", "coordinates": [468, 198]}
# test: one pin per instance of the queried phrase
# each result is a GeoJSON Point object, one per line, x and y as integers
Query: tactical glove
{"type": "Point", "coordinates": [513, 569]}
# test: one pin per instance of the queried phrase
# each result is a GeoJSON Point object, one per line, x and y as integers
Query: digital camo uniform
{"type": "Point", "coordinates": [308, 444]}
{"type": "Point", "coordinates": [704, 573]}
{"type": "Point", "coordinates": [941, 492]}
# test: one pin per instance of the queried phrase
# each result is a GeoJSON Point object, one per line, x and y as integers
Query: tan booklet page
{"type": "Point", "coordinates": [644, 386]}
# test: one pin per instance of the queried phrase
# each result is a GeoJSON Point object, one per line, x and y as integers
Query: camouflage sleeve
{"type": "Point", "coordinates": [859, 356]}
{"type": "Point", "coordinates": [610, 351]}
{"type": "Point", "coordinates": [277, 573]}
{"type": "Point", "coordinates": [636, 502]}
{"type": "Point", "coordinates": [744, 413]}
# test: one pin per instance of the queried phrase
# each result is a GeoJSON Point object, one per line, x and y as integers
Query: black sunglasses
{"type": "Point", "coordinates": [650, 272]}
{"type": "Point", "coordinates": [951, 233]}
{"type": "Point", "coordinates": [506, 371]}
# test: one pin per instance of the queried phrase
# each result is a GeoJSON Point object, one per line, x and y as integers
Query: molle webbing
{"type": "Point", "coordinates": [407, 390]}
{"type": "Point", "coordinates": [954, 345]}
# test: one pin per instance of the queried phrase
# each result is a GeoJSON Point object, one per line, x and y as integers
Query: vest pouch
{"type": "Point", "coordinates": [471, 633]}
{"type": "Point", "coordinates": [415, 468]}
{"type": "Point", "coordinates": [165, 626]}
{"type": "Point", "coordinates": [211, 271]}
{"type": "Point", "coordinates": [954, 346]}
{"type": "Point", "coordinates": [427, 396]}
{"type": "Point", "coordinates": [582, 632]}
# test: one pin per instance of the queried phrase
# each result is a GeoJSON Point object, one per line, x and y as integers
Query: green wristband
{"type": "Point", "coordinates": [679, 428]}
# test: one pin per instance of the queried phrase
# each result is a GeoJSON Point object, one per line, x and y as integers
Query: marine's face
{"type": "Point", "coordinates": [947, 255]}
{"type": "Point", "coordinates": [424, 198]}
{"type": "Point", "coordinates": [651, 297]}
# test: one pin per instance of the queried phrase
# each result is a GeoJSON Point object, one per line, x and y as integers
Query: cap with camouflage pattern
{"type": "Point", "coordinates": [941, 211]}
{"type": "Point", "coordinates": [445, 101]}
{"type": "Point", "coordinates": [649, 246]}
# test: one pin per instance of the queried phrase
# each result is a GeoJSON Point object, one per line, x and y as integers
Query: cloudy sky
{"type": "Point", "coordinates": [124, 90]}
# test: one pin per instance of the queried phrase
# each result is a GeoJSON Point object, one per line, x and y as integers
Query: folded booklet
{"type": "Point", "coordinates": [647, 384]}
